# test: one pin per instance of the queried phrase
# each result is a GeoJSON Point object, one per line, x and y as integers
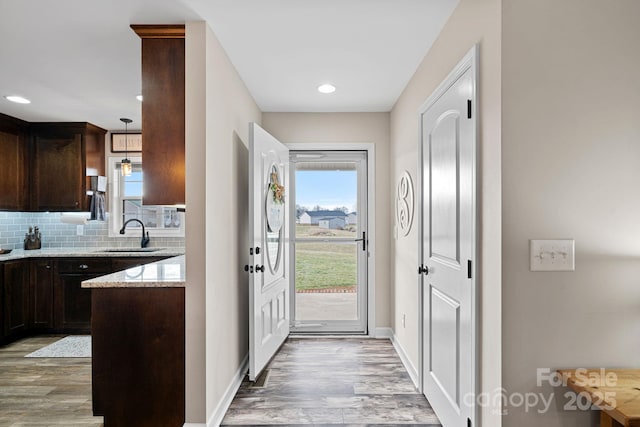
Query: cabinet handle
{"type": "Point", "coordinates": [83, 266]}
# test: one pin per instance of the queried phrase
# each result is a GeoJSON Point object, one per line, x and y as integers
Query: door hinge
{"type": "Point", "coordinates": [469, 267]}
{"type": "Point", "coordinates": [468, 108]}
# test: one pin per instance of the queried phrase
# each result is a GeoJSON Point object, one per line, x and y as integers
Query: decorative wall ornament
{"type": "Point", "coordinates": [275, 202]}
{"type": "Point", "coordinates": [404, 203]}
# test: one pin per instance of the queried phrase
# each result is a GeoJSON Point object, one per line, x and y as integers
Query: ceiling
{"type": "Point", "coordinates": [78, 60]}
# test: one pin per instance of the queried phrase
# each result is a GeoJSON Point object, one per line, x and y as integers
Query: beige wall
{"type": "Point", "coordinates": [219, 109]}
{"type": "Point", "coordinates": [350, 128]}
{"type": "Point", "coordinates": [473, 21]}
{"type": "Point", "coordinates": [571, 147]}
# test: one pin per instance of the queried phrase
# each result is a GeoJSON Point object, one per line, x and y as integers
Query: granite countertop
{"type": "Point", "coordinates": [168, 273]}
{"type": "Point", "coordinates": [88, 252]}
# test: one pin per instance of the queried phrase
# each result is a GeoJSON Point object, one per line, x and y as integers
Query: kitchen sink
{"type": "Point", "coordinates": [131, 250]}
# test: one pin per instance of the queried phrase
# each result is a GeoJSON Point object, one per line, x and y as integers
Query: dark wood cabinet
{"type": "Point", "coordinates": [45, 165]}
{"type": "Point", "coordinates": [72, 303]}
{"type": "Point", "coordinates": [143, 330]}
{"type": "Point", "coordinates": [15, 289]}
{"type": "Point", "coordinates": [13, 173]}
{"type": "Point", "coordinates": [163, 123]}
{"type": "Point", "coordinates": [60, 157]}
{"type": "Point", "coordinates": [41, 278]}
{"type": "Point", "coordinates": [46, 294]}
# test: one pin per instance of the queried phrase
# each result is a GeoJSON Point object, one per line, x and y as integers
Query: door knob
{"type": "Point", "coordinates": [423, 269]}
{"type": "Point", "coordinates": [259, 268]}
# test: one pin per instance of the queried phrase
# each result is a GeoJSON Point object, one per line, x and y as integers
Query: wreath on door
{"type": "Point", "coordinates": [275, 202]}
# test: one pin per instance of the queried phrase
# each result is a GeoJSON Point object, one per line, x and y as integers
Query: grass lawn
{"type": "Point", "coordinates": [323, 265]}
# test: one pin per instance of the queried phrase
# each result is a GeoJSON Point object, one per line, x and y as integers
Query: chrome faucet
{"type": "Point", "coordinates": [145, 237]}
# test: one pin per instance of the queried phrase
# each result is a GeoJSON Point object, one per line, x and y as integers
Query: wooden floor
{"type": "Point", "coordinates": [44, 392]}
{"type": "Point", "coordinates": [332, 381]}
{"type": "Point", "coordinates": [310, 381]}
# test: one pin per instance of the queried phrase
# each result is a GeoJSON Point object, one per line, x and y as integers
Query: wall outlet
{"type": "Point", "coordinates": [552, 255]}
{"type": "Point", "coordinates": [79, 230]}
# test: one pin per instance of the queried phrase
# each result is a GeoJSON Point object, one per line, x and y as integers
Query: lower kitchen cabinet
{"type": "Point", "coordinates": [142, 329]}
{"type": "Point", "coordinates": [41, 278]}
{"type": "Point", "coordinates": [15, 296]}
{"type": "Point", "coordinates": [72, 303]}
{"type": "Point", "coordinates": [45, 295]}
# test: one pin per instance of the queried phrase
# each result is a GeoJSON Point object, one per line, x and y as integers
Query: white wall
{"type": "Point", "coordinates": [218, 111]}
{"type": "Point", "coordinates": [571, 146]}
{"type": "Point", "coordinates": [350, 128]}
{"type": "Point", "coordinates": [473, 21]}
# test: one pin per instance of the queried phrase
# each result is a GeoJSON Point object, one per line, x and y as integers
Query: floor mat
{"type": "Point", "coordinates": [71, 346]}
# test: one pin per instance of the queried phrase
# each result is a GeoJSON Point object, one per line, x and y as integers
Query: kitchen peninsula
{"type": "Point", "coordinates": [138, 345]}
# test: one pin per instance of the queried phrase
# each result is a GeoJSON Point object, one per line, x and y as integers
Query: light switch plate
{"type": "Point", "coordinates": [79, 230]}
{"type": "Point", "coordinates": [552, 255]}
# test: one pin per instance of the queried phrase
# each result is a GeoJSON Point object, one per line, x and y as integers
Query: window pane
{"type": "Point", "coordinates": [171, 218]}
{"type": "Point", "coordinates": [132, 189]}
{"type": "Point", "coordinates": [134, 209]}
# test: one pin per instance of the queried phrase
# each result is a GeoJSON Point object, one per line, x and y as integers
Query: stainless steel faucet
{"type": "Point", "coordinates": [145, 236]}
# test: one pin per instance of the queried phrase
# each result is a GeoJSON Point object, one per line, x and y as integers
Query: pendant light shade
{"type": "Point", "coordinates": [125, 164]}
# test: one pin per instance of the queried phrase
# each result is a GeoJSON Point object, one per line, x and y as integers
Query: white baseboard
{"type": "Point", "coordinates": [411, 369]}
{"type": "Point", "coordinates": [194, 425]}
{"type": "Point", "coordinates": [382, 333]}
{"type": "Point", "coordinates": [218, 415]}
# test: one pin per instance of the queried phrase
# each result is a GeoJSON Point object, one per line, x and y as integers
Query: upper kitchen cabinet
{"type": "Point", "coordinates": [13, 173]}
{"type": "Point", "coordinates": [163, 116]}
{"type": "Point", "coordinates": [61, 155]}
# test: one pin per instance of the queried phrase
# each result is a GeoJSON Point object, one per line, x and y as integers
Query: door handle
{"type": "Point", "coordinates": [423, 269]}
{"type": "Point", "coordinates": [259, 268]}
{"type": "Point", "coordinates": [363, 240]}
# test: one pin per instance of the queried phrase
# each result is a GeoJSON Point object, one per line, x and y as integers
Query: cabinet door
{"type": "Point", "coordinates": [16, 297]}
{"type": "Point", "coordinates": [58, 173]}
{"type": "Point", "coordinates": [73, 303]}
{"type": "Point", "coordinates": [42, 293]}
{"type": "Point", "coordinates": [13, 182]}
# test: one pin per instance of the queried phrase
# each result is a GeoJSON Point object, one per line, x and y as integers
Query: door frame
{"type": "Point", "coordinates": [371, 217]}
{"type": "Point", "coordinates": [469, 61]}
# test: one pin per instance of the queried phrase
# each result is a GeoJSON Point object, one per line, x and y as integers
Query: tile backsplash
{"type": "Point", "coordinates": [55, 234]}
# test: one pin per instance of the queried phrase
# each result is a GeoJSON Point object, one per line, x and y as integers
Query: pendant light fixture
{"type": "Point", "coordinates": [125, 164]}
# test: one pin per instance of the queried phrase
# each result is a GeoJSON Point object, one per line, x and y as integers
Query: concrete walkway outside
{"type": "Point", "coordinates": [327, 306]}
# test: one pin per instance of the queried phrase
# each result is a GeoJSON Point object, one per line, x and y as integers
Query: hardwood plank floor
{"type": "Point", "coordinates": [44, 391]}
{"type": "Point", "coordinates": [332, 381]}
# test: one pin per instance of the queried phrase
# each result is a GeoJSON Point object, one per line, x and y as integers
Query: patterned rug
{"type": "Point", "coordinates": [71, 346]}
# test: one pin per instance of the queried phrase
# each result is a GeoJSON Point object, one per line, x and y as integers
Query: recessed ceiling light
{"type": "Point", "coordinates": [18, 99]}
{"type": "Point", "coordinates": [326, 88]}
{"type": "Point", "coordinates": [139, 98]}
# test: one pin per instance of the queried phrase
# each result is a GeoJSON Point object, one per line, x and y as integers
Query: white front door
{"type": "Point", "coordinates": [448, 247]}
{"type": "Point", "coordinates": [269, 253]}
